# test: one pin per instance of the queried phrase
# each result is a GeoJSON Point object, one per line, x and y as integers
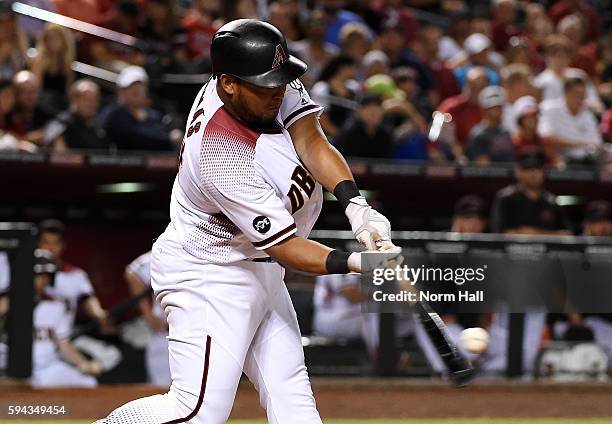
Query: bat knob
{"type": "Point", "coordinates": [462, 378]}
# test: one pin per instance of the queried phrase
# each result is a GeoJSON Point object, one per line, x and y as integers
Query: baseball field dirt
{"type": "Point", "coordinates": [375, 400]}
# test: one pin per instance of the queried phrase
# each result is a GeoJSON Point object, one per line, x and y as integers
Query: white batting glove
{"type": "Point", "coordinates": [370, 227]}
{"type": "Point", "coordinates": [390, 258]}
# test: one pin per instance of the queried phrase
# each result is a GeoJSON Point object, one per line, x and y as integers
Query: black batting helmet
{"type": "Point", "coordinates": [256, 52]}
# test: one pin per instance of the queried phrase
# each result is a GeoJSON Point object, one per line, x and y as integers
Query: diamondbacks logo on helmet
{"type": "Point", "coordinates": [279, 57]}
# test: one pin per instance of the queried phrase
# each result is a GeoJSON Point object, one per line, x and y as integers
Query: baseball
{"type": "Point", "coordinates": [475, 340]}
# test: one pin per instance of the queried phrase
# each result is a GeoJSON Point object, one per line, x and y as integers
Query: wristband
{"type": "Point", "coordinates": [337, 262]}
{"type": "Point", "coordinates": [345, 191]}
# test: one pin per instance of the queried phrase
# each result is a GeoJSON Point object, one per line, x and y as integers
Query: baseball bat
{"type": "Point", "coordinates": [114, 312]}
{"type": "Point", "coordinates": [460, 372]}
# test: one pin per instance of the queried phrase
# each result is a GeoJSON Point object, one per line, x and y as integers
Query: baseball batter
{"type": "Point", "coordinates": [246, 195]}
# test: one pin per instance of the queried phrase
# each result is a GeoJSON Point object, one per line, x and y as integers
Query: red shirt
{"type": "Point", "coordinates": [465, 116]}
{"type": "Point", "coordinates": [520, 142]}
{"type": "Point", "coordinates": [445, 82]}
{"type": "Point", "coordinates": [199, 36]}
{"type": "Point", "coordinates": [502, 33]}
{"type": "Point", "coordinates": [606, 126]}
{"type": "Point", "coordinates": [561, 9]}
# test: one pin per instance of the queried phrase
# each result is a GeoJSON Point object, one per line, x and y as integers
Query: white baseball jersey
{"type": "Point", "coordinates": [5, 273]}
{"type": "Point", "coordinates": [71, 283]}
{"type": "Point", "coordinates": [240, 190]}
{"type": "Point", "coordinates": [141, 269]}
{"type": "Point", "coordinates": [52, 323]}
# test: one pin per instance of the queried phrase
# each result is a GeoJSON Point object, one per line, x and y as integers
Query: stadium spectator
{"type": "Point", "coordinates": [313, 49]}
{"type": "Point", "coordinates": [396, 9]}
{"type": "Point", "coordinates": [469, 215]}
{"type": "Point", "coordinates": [458, 31]}
{"type": "Point", "coordinates": [584, 54]}
{"type": "Point", "coordinates": [445, 83]}
{"type": "Point", "coordinates": [71, 283]}
{"type": "Point", "coordinates": [504, 23]}
{"type": "Point", "coordinates": [391, 41]}
{"type": "Point", "coordinates": [477, 48]}
{"type": "Point", "coordinates": [138, 276]}
{"type": "Point", "coordinates": [364, 135]}
{"type": "Point", "coordinates": [131, 124]}
{"type": "Point", "coordinates": [280, 15]}
{"type": "Point", "coordinates": [526, 112]}
{"type": "Point", "coordinates": [13, 44]}
{"type": "Point", "coordinates": [30, 115]}
{"type": "Point", "coordinates": [373, 63]}
{"type": "Point", "coordinates": [97, 12]}
{"type": "Point", "coordinates": [406, 80]}
{"type": "Point", "coordinates": [488, 140]}
{"type": "Point", "coordinates": [598, 219]}
{"type": "Point", "coordinates": [521, 51]}
{"type": "Point", "coordinates": [526, 207]}
{"type": "Point", "coordinates": [78, 127]}
{"type": "Point", "coordinates": [238, 9]}
{"type": "Point", "coordinates": [7, 104]}
{"type": "Point", "coordinates": [464, 109]}
{"type": "Point", "coordinates": [111, 55]}
{"type": "Point", "coordinates": [55, 53]}
{"type": "Point", "coordinates": [355, 40]}
{"type": "Point", "coordinates": [200, 26]}
{"type": "Point", "coordinates": [164, 35]}
{"type": "Point", "coordinates": [570, 125]}
{"type": "Point", "coordinates": [606, 126]}
{"type": "Point", "coordinates": [337, 92]}
{"type": "Point", "coordinates": [516, 80]}
{"type": "Point", "coordinates": [562, 8]}
{"type": "Point", "coordinates": [550, 81]}
{"type": "Point", "coordinates": [337, 17]}
{"type": "Point", "coordinates": [55, 360]}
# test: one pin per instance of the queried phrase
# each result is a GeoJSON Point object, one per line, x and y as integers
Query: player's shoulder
{"type": "Point", "coordinates": [508, 192]}
{"type": "Point", "coordinates": [68, 268]}
{"type": "Point", "coordinates": [140, 261]}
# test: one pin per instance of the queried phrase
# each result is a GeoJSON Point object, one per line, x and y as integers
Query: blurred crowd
{"type": "Point", "coordinates": [499, 75]}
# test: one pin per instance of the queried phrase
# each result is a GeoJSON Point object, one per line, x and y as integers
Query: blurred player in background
{"type": "Point", "coordinates": [71, 283]}
{"type": "Point", "coordinates": [55, 361]}
{"type": "Point", "coordinates": [138, 276]}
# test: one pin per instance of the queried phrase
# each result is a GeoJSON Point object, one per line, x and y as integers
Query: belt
{"type": "Point", "coordinates": [268, 259]}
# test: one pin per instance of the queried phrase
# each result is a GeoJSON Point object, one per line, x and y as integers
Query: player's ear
{"type": "Point", "coordinates": [228, 84]}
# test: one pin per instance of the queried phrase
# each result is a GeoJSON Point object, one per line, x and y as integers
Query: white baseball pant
{"type": "Point", "coordinates": [223, 320]}
{"type": "Point", "coordinates": [61, 374]}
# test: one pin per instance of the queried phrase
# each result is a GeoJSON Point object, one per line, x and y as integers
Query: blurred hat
{"type": "Point", "coordinates": [374, 56]}
{"type": "Point", "coordinates": [130, 75]}
{"type": "Point", "coordinates": [469, 206]}
{"type": "Point", "coordinates": [384, 86]}
{"type": "Point", "coordinates": [492, 96]}
{"type": "Point", "coordinates": [524, 106]}
{"type": "Point", "coordinates": [598, 210]}
{"type": "Point", "coordinates": [531, 157]}
{"type": "Point", "coordinates": [51, 225]}
{"type": "Point", "coordinates": [476, 43]}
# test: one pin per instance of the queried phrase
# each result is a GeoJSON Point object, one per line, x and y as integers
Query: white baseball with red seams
{"type": "Point", "coordinates": [238, 191]}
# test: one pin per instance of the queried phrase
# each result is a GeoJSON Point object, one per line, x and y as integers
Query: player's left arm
{"type": "Point", "coordinates": [331, 170]}
{"type": "Point", "coordinates": [72, 355]}
{"type": "Point", "coordinates": [94, 309]}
